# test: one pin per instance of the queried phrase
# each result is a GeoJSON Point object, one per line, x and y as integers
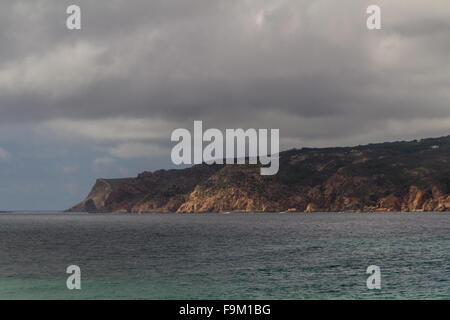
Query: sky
{"type": "Point", "coordinates": [77, 105]}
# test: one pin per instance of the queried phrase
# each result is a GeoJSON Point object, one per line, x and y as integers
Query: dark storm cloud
{"type": "Point", "coordinates": [310, 68]}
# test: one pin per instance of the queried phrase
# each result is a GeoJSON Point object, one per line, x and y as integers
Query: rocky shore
{"type": "Point", "coordinates": [396, 176]}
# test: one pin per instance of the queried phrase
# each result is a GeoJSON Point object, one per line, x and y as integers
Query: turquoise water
{"type": "Point", "coordinates": [218, 256]}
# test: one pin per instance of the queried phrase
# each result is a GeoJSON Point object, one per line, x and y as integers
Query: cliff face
{"type": "Point", "coordinates": [399, 176]}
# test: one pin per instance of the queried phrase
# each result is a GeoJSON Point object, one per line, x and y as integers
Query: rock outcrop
{"type": "Point", "coordinates": [398, 176]}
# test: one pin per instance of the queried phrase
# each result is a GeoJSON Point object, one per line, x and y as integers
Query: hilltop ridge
{"type": "Point", "coordinates": [392, 176]}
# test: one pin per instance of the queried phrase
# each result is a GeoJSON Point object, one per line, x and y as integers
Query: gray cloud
{"type": "Point", "coordinates": [310, 68]}
{"type": "Point", "coordinates": [4, 155]}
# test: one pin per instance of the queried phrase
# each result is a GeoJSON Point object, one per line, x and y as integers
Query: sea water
{"type": "Point", "coordinates": [225, 256]}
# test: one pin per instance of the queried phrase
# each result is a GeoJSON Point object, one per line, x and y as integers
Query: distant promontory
{"type": "Point", "coordinates": [394, 176]}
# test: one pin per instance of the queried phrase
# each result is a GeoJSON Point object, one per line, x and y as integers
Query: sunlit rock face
{"type": "Point", "coordinates": [399, 176]}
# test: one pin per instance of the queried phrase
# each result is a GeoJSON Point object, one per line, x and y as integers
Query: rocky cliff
{"type": "Point", "coordinates": [398, 176]}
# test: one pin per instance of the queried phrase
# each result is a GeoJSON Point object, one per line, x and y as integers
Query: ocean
{"type": "Point", "coordinates": [225, 256]}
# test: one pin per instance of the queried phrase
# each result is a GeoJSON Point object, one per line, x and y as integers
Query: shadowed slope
{"type": "Point", "coordinates": [398, 176]}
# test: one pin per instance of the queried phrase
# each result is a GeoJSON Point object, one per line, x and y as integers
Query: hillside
{"type": "Point", "coordinates": [398, 176]}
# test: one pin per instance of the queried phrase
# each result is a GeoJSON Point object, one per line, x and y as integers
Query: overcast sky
{"type": "Point", "coordinates": [102, 101]}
